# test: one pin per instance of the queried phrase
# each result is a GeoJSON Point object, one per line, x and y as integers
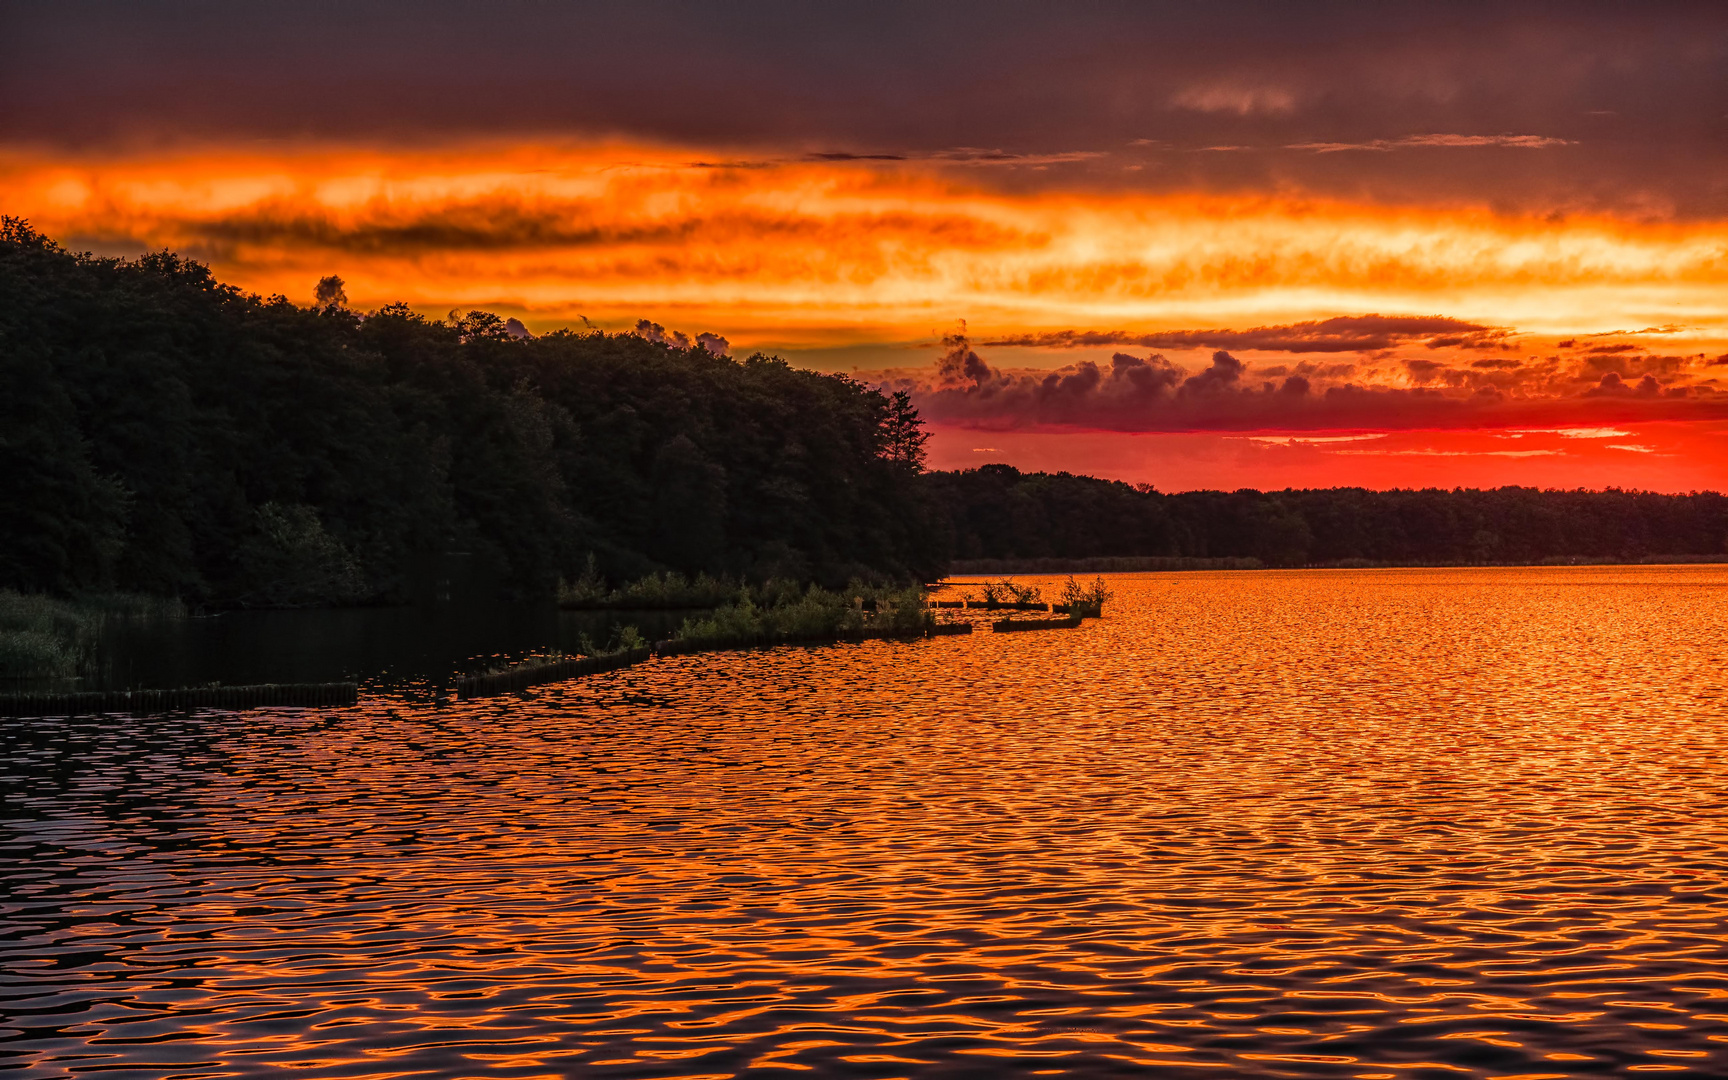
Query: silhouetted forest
{"type": "Point", "coordinates": [998, 512]}
{"type": "Point", "coordinates": [163, 433]}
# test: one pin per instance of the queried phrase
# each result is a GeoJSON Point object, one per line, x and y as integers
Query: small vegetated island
{"type": "Point", "coordinates": [169, 442]}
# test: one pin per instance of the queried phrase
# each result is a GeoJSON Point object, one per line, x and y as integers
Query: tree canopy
{"type": "Point", "coordinates": [165, 433]}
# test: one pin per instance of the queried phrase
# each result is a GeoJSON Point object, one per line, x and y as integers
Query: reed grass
{"type": "Point", "coordinates": [659, 591]}
{"type": "Point", "coordinates": [51, 637]}
{"type": "Point", "coordinates": [42, 637]}
{"type": "Point", "coordinates": [1085, 600]}
{"type": "Point", "coordinates": [1007, 591]}
{"type": "Point", "coordinates": [624, 639]}
{"type": "Point", "coordinates": [784, 612]}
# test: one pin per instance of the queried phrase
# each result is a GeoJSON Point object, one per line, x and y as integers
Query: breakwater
{"type": "Point", "coordinates": [1004, 626]}
{"type": "Point", "coordinates": [144, 702]}
{"type": "Point", "coordinates": [1108, 564]}
{"type": "Point", "coordinates": [684, 647]}
{"type": "Point", "coordinates": [523, 676]}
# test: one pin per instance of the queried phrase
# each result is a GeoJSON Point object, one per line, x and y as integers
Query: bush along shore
{"type": "Point", "coordinates": [1006, 595]}
{"type": "Point", "coordinates": [43, 637]}
{"type": "Point", "coordinates": [51, 641]}
{"type": "Point", "coordinates": [660, 591]}
{"type": "Point", "coordinates": [777, 613]}
{"type": "Point", "coordinates": [786, 613]}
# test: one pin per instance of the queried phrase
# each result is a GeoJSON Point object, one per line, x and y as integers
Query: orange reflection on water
{"type": "Point", "coordinates": [1317, 822]}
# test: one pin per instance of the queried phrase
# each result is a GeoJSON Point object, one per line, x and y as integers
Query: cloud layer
{"type": "Point", "coordinates": [836, 252]}
{"type": "Point", "coordinates": [1449, 387]}
{"type": "Point", "coordinates": [1344, 333]}
{"type": "Point", "coordinates": [1575, 108]}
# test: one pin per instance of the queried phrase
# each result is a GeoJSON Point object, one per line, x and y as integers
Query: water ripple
{"type": "Point", "coordinates": [1384, 825]}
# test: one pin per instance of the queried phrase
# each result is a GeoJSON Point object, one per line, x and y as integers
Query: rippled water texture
{"type": "Point", "coordinates": [1383, 824]}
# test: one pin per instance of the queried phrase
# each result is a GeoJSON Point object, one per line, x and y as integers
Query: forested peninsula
{"type": "Point", "coordinates": [164, 434]}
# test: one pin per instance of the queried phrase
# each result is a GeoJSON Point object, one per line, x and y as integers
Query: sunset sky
{"type": "Point", "coordinates": [1195, 245]}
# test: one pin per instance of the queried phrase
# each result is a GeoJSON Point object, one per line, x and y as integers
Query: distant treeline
{"type": "Point", "coordinates": [163, 433]}
{"type": "Point", "coordinates": [998, 512]}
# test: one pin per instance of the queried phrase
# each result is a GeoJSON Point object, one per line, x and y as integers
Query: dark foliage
{"type": "Point", "coordinates": [997, 512]}
{"type": "Point", "coordinates": [164, 433]}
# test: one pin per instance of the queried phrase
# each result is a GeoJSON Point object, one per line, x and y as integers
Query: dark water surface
{"type": "Point", "coordinates": [420, 647]}
{"type": "Point", "coordinates": [1372, 824]}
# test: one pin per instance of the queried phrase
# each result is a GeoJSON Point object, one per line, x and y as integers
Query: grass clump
{"type": "Point", "coordinates": [588, 590]}
{"type": "Point", "coordinates": [659, 591]}
{"type": "Point", "coordinates": [785, 611]}
{"type": "Point", "coordinates": [624, 639]}
{"type": "Point", "coordinates": [1007, 591]}
{"type": "Point", "coordinates": [902, 612]}
{"type": "Point", "coordinates": [1087, 600]}
{"type": "Point", "coordinates": [45, 637]}
{"type": "Point", "coordinates": [674, 590]}
{"type": "Point", "coordinates": [778, 614]}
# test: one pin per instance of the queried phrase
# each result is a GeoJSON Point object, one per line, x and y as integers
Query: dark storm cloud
{"type": "Point", "coordinates": [841, 156]}
{"type": "Point", "coordinates": [653, 331]}
{"type": "Point", "coordinates": [1220, 378]}
{"type": "Point", "coordinates": [1563, 108]}
{"type": "Point", "coordinates": [504, 222]}
{"type": "Point", "coordinates": [1612, 385]}
{"type": "Point", "coordinates": [1152, 394]}
{"type": "Point", "coordinates": [475, 226]}
{"type": "Point", "coordinates": [1348, 333]}
{"type": "Point", "coordinates": [1409, 142]}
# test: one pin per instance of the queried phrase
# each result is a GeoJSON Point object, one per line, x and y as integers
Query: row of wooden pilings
{"type": "Point", "coordinates": [526, 675]}
{"type": "Point", "coordinates": [996, 605]}
{"type": "Point", "coordinates": [523, 676]}
{"type": "Point", "coordinates": [269, 695]}
{"type": "Point", "coordinates": [1066, 622]}
{"type": "Point", "coordinates": [1001, 605]}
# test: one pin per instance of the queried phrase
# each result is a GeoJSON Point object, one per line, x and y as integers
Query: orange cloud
{"type": "Point", "coordinates": [788, 251]}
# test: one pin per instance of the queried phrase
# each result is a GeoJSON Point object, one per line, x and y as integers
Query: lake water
{"type": "Point", "coordinates": [1371, 824]}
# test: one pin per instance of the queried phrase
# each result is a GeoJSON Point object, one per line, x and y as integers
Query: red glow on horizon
{"type": "Point", "coordinates": [1663, 457]}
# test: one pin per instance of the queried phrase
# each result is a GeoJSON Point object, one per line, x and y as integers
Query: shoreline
{"type": "Point", "coordinates": [1136, 564]}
